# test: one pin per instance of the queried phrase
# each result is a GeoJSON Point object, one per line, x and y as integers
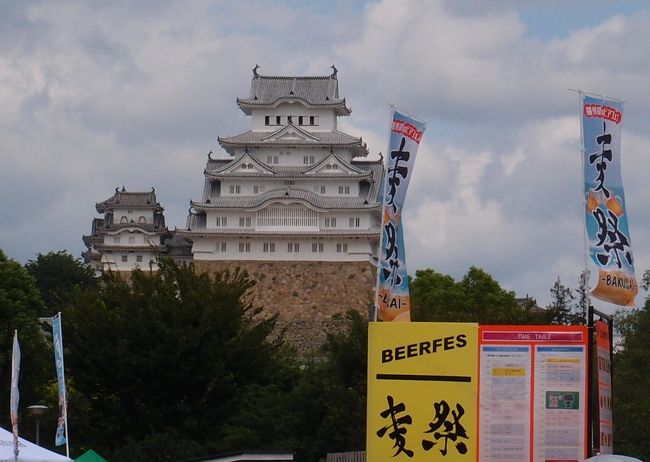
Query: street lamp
{"type": "Point", "coordinates": [37, 410]}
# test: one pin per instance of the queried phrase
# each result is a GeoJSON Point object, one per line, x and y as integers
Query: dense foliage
{"type": "Point", "coordinates": [174, 361]}
{"type": "Point", "coordinates": [59, 276]}
{"type": "Point", "coordinates": [20, 304]}
{"type": "Point", "coordinates": [176, 364]}
{"type": "Point", "coordinates": [632, 381]}
{"type": "Point", "coordinates": [476, 298]}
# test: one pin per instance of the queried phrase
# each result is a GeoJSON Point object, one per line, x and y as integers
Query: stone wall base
{"type": "Point", "coordinates": [310, 298]}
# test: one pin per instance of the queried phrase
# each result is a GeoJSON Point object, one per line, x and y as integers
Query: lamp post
{"type": "Point", "coordinates": [37, 410]}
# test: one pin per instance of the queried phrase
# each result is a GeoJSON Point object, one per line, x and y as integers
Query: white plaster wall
{"type": "Point", "coordinates": [209, 248]}
{"type": "Point", "coordinates": [132, 215]}
{"type": "Point", "coordinates": [325, 118]}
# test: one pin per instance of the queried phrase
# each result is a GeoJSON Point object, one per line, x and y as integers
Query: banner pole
{"type": "Point", "coordinates": [583, 200]}
{"type": "Point", "coordinates": [375, 314]}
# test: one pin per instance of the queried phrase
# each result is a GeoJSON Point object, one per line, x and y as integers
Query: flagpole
{"type": "Point", "coordinates": [583, 201]}
{"type": "Point", "coordinates": [375, 315]}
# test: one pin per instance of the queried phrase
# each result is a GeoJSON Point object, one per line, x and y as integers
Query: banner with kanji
{"type": "Point", "coordinates": [57, 334]}
{"type": "Point", "coordinates": [14, 397]}
{"type": "Point", "coordinates": [422, 392]}
{"type": "Point", "coordinates": [392, 298]}
{"type": "Point", "coordinates": [610, 246]}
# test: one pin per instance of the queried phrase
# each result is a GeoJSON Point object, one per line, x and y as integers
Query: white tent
{"type": "Point", "coordinates": [29, 452]}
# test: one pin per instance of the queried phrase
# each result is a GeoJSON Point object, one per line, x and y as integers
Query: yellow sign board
{"type": "Point", "coordinates": [422, 392]}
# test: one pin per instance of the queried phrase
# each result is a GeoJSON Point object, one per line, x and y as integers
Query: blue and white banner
{"type": "Point", "coordinates": [57, 334]}
{"type": "Point", "coordinates": [15, 394]}
{"type": "Point", "coordinates": [392, 298]}
{"type": "Point", "coordinates": [610, 246]}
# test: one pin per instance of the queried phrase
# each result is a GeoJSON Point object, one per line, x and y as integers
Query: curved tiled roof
{"type": "Point", "coordinates": [313, 91]}
{"type": "Point", "coordinates": [195, 227]}
{"type": "Point", "coordinates": [292, 194]}
{"type": "Point", "coordinates": [330, 138]}
{"type": "Point", "coordinates": [123, 198]}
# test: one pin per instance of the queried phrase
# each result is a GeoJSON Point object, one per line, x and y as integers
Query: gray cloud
{"type": "Point", "coordinates": [97, 95]}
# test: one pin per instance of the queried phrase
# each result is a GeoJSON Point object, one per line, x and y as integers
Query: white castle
{"type": "Point", "coordinates": [292, 188]}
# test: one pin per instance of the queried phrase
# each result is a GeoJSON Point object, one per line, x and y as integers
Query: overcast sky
{"type": "Point", "coordinates": [95, 95]}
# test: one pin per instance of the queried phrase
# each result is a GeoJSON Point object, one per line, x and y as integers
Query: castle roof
{"type": "Point", "coordinates": [125, 199]}
{"type": "Point", "coordinates": [290, 194]}
{"type": "Point", "coordinates": [316, 139]}
{"type": "Point", "coordinates": [318, 91]}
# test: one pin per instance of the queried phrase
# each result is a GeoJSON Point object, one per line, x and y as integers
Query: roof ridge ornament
{"type": "Point", "coordinates": [334, 71]}
{"type": "Point", "coordinates": [255, 74]}
{"type": "Point", "coordinates": [210, 155]}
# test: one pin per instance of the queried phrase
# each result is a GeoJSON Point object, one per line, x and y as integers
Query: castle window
{"type": "Point", "coordinates": [235, 189]}
{"type": "Point", "coordinates": [258, 189]}
{"type": "Point", "coordinates": [344, 190]}
{"type": "Point", "coordinates": [293, 247]}
{"type": "Point", "coordinates": [142, 219]}
{"type": "Point", "coordinates": [272, 160]}
{"type": "Point", "coordinates": [278, 120]}
{"type": "Point", "coordinates": [330, 222]}
{"type": "Point", "coordinates": [138, 258]}
{"type": "Point", "coordinates": [266, 120]}
{"type": "Point", "coordinates": [124, 220]}
{"type": "Point", "coordinates": [289, 119]}
{"type": "Point", "coordinates": [131, 239]}
{"type": "Point", "coordinates": [287, 217]}
{"type": "Point", "coordinates": [244, 247]}
{"type": "Point", "coordinates": [221, 221]}
{"type": "Point", "coordinates": [300, 120]}
{"type": "Point", "coordinates": [125, 258]}
{"type": "Point", "coordinates": [245, 222]}
{"type": "Point", "coordinates": [312, 120]}
{"type": "Point", "coordinates": [323, 189]}
{"type": "Point", "coordinates": [355, 222]}
{"type": "Point", "coordinates": [317, 247]}
{"type": "Point", "coordinates": [268, 247]}
{"type": "Point", "coordinates": [342, 248]}
{"type": "Point", "coordinates": [308, 160]}
{"type": "Point", "coordinates": [220, 247]}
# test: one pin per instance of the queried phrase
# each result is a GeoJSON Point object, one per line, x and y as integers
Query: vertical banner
{"type": "Point", "coordinates": [392, 299]}
{"type": "Point", "coordinates": [604, 380]}
{"type": "Point", "coordinates": [15, 394]}
{"type": "Point", "coordinates": [606, 218]}
{"type": "Point", "coordinates": [57, 334]}
{"type": "Point", "coordinates": [422, 392]}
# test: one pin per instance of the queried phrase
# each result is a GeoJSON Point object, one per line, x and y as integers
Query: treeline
{"type": "Point", "coordinates": [178, 364]}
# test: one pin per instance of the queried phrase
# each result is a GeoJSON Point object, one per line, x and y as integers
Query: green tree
{"type": "Point", "coordinates": [328, 408]}
{"type": "Point", "coordinates": [565, 308]}
{"type": "Point", "coordinates": [478, 297]}
{"type": "Point", "coordinates": [58, 275]}
{"type": "Point", "coordinates": [561, 303]}
{"type": "Point", "coordinates": [632, 380]}
{"type": "Point", "coordinates": [20, 304]}
{"type": "Point", "coordinates": [173, 356]}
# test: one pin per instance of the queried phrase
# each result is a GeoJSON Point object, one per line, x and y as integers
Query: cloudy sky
{"type": "Point", "coordinates": [95, 95]}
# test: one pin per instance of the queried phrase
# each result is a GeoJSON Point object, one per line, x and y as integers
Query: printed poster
{"type": "Point", "coordinates": [604, 377]}
{"type": "Point", "coordinates": [533, 393]}
{"type": "Point", "coordinates": [422, 391]}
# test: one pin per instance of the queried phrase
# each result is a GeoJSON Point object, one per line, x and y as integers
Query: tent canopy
{"type": "Point", "coordinates": [29, 452]}
{"type": "Point", "coordinates": [90, 456]}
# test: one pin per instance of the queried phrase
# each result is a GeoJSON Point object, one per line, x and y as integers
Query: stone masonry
{"type": "Point", "coordinates": [309, 297]}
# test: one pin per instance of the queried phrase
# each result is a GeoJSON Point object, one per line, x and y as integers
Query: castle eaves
{"type": "Point", "coordinates": [318, 91]}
